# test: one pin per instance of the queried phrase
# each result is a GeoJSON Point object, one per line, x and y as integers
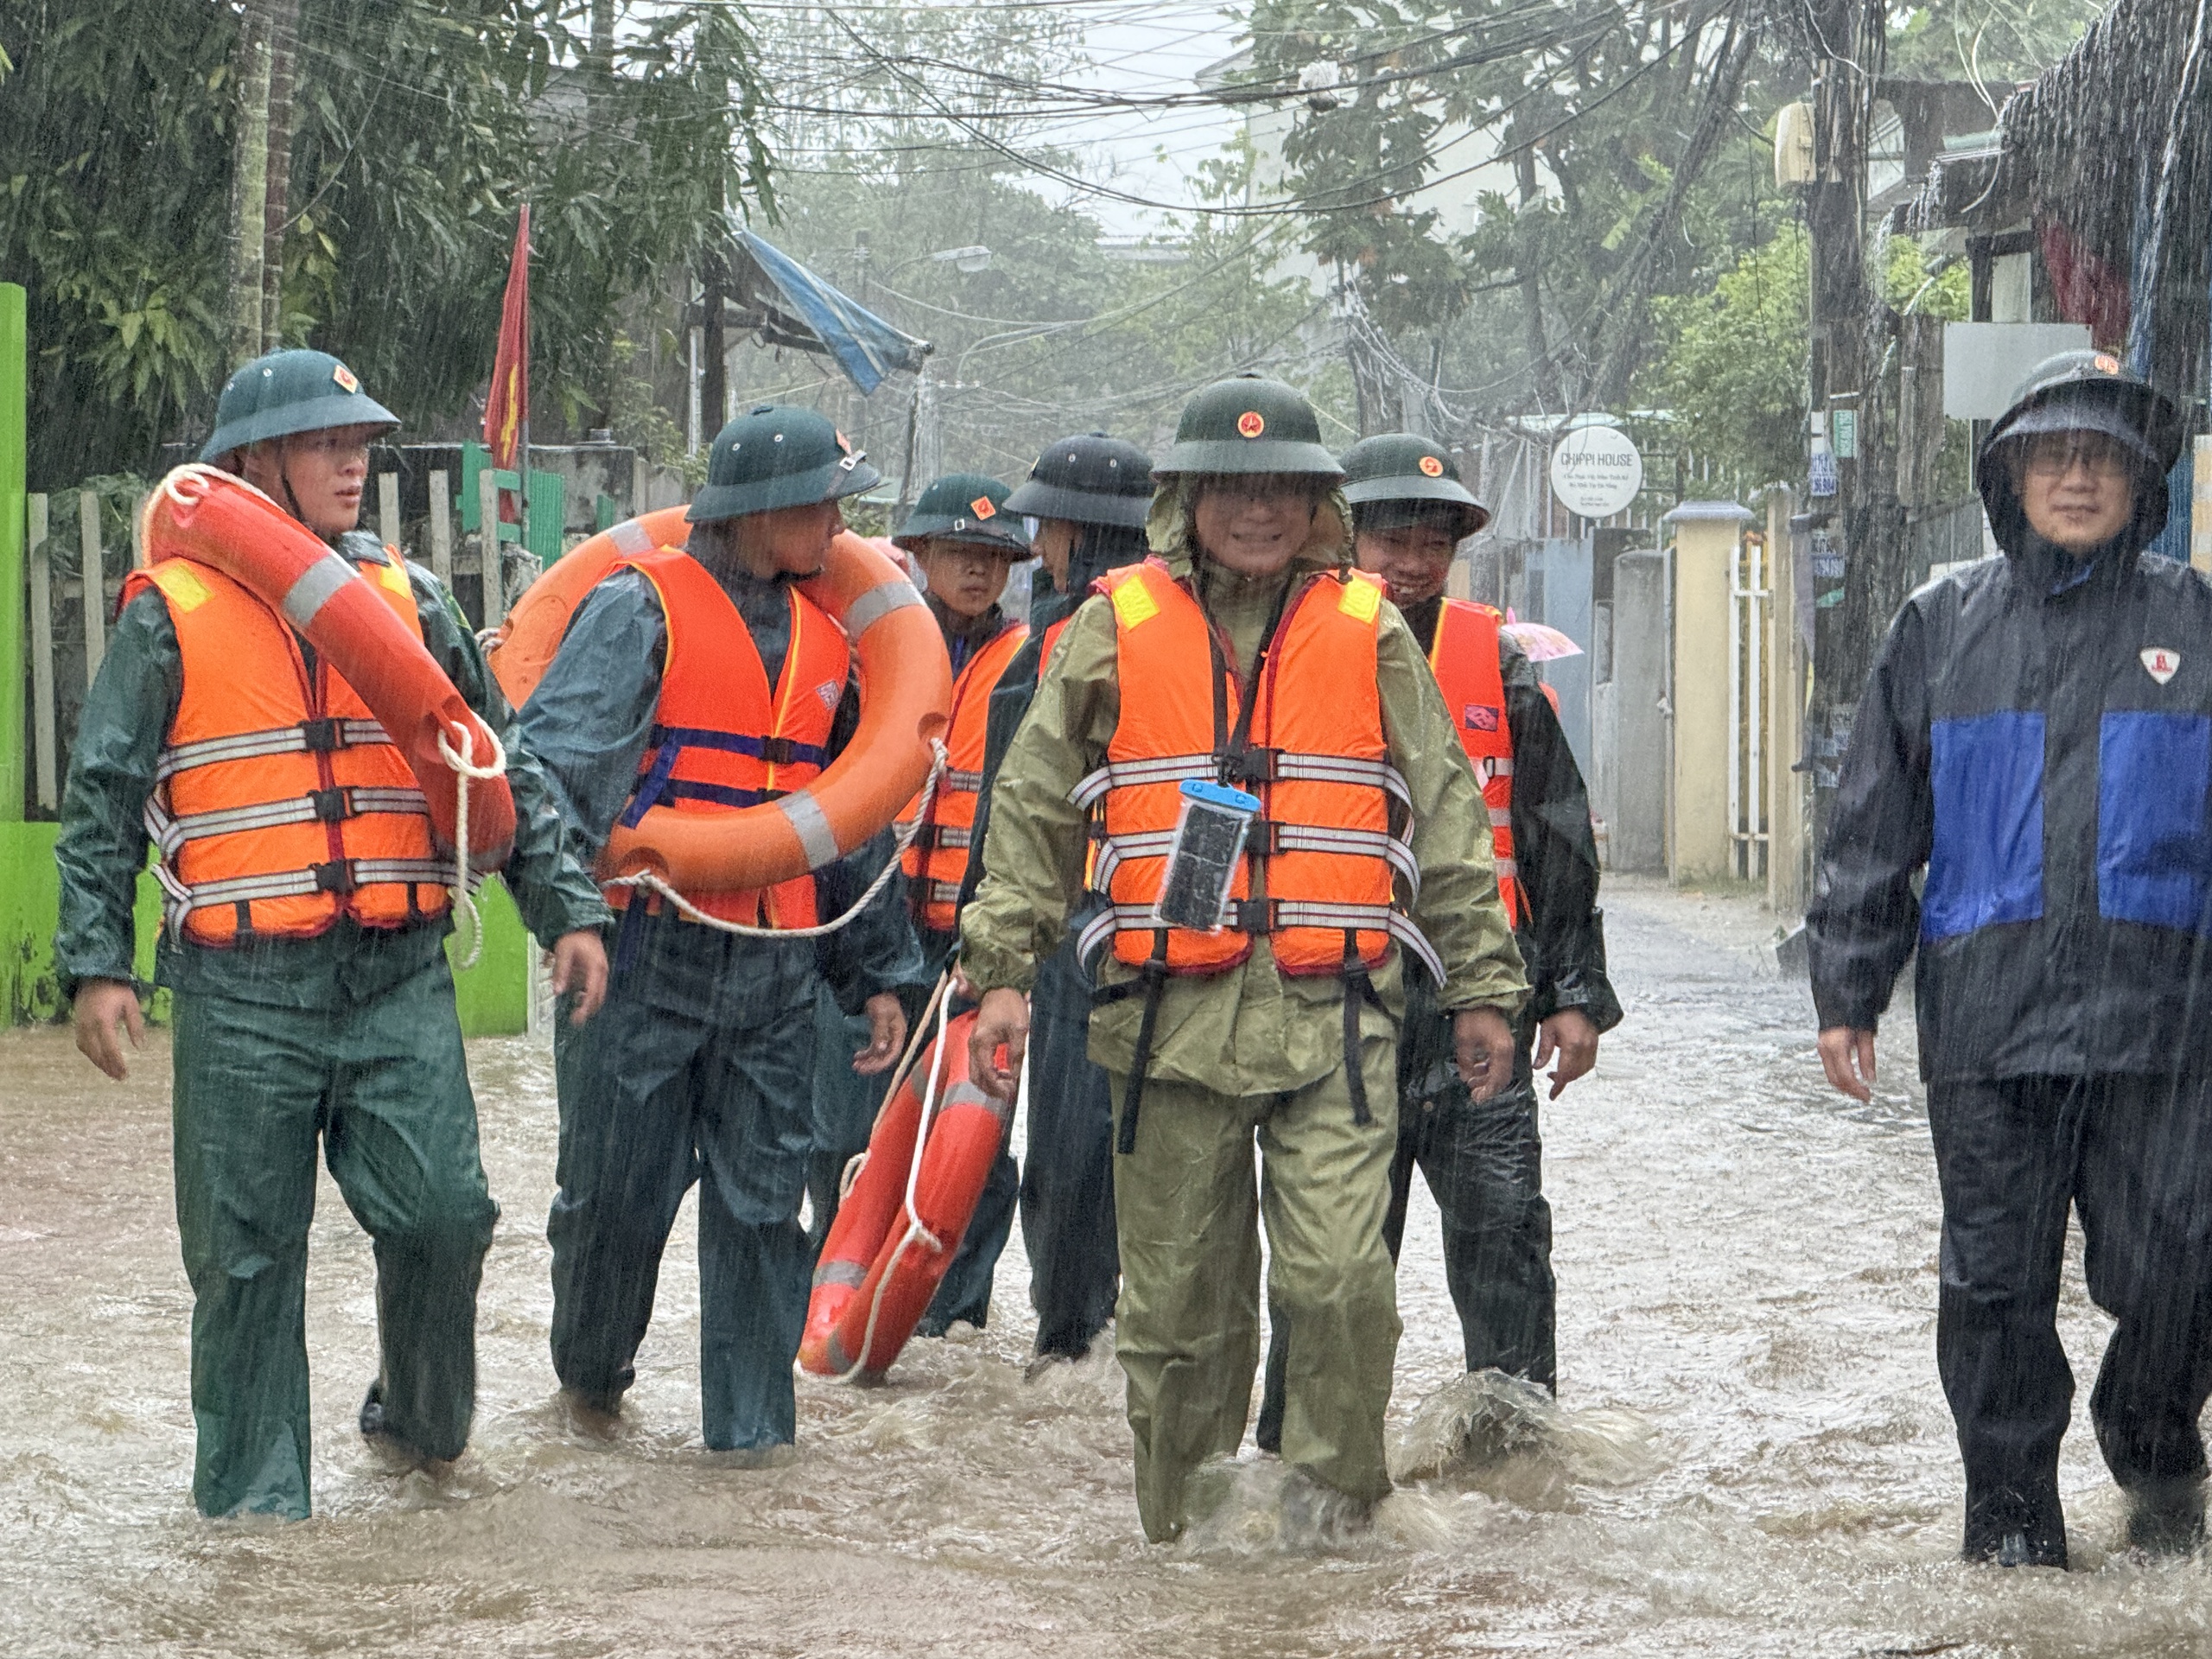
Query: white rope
{"type": "Point", "coordinates": [858, 1161]}
{"type": "Point", "coordinates": [464, 902]}
{"type": "Point", "coordinates": [914, 1228]}
{"type": "Point", "coordinates": [939, 764]}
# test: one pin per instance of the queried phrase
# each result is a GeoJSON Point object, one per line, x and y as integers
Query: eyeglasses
{"type": "Point", "coordinates": [341, 444]}
{"type": "Point", "coordinates": [2053, 454]}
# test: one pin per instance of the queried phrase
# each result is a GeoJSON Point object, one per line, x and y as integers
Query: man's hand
{"type": "Point", "coordinates": [580, 967]}
{"type": "Point", "coordinates": [1002, 1017]}
{"type": "Point", "coordinates": [1841, 1047]}
{"type": "Point", "coordinates": [887, 1035]}
{"type": "Point", "coordinates": [1483, 1044]}
{"type": "Point", "coordinates": [100, 1006]}
{"type": "Point", "coordinates": [1570, 1035]}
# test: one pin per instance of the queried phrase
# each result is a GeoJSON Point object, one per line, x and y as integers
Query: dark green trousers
{"type": "Point", "coordinates": [383, 1084]}
{"type": "Point", "coordinates": [698, 1069]}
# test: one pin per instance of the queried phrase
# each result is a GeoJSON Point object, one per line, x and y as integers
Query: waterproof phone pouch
{"type": "Point", "coordinates": [1209, 834]}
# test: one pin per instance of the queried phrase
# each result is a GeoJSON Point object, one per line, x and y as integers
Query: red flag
{"type": "Point", "coordinates": [506, 407]}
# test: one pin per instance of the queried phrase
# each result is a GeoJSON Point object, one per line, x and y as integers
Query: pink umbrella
{"type": "Point", "coordinates": [1538, 642]}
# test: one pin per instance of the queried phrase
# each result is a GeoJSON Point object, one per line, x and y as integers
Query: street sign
{"type": "Point", "coordinates": [1596, 471]}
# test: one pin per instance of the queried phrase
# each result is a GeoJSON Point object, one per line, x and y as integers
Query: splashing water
{"type": "Point", "coordinates": [1750, 1454]}
{"type": "Point", "coordinates": [1512, 1431]}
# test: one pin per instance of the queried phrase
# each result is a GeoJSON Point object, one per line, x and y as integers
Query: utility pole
{"type": "Point", "coordinates": [713, 280]}
{"type": "Point", "coordinates": [1528, 266]}
{"type": "Point", "coordinates": [250, 179]}
{"type": "Point", "coordinates": [714, 367]}
{"type": "Point", "coordinates": [1835, 213]}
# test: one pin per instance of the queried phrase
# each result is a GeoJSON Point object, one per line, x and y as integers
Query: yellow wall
{"type": "Point", "coordinates": [1697, 833]}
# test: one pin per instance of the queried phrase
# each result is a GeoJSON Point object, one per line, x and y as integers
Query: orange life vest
{"type": "Point", "coordinates": [279, 803]}
{"type": "Point", "coordinates": [1316, 876]}
{"type": "Point", "coordinates": [1465, 659]}
{"type": "Point", "coordinates": [721, 739]}
{"type": "Point", "coordinates": [936, 858]}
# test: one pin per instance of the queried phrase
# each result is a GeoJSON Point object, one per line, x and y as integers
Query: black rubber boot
{"type": "Point", "coordinates": [2012, 1530]}
{"type": "Point", "coordinates": [2166, 1517]}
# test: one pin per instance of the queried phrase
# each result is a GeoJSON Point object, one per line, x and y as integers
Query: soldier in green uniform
{"type": "Point", "coordinates": [1215, 1040]}
{"type": "Point", "coordinates": [327, 1019]}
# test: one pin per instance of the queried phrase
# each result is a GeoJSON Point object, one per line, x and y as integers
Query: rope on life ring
{"type": "Point", "coordinates": [464, 900]}
{"type": "Point", "coordinates": [940, 762]}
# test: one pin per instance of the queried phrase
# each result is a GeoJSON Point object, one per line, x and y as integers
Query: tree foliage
{"type": "Point", "coordinates": [1732, 374]}
{"type": "Point", "coordinates": [1613, 144]}
{"type": "Point", "coordinates": [420, 126]}
{"type": "Point", "coordinates": [1729, 374]}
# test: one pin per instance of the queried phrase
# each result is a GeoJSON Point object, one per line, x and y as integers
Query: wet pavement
{"type": "Point", "coordinates": [1749, 1456]}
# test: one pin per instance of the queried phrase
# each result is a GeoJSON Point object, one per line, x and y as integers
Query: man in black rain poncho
{"type": "Point", "coordinates": [2038, 733]}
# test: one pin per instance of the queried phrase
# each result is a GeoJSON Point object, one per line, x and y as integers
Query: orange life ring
{"type": "Point", "coordinates": [218, 519]}
{"type": "Point", "coordinates": [905, 697]}
{"type": "Point", "coordinates": [876, 1277]}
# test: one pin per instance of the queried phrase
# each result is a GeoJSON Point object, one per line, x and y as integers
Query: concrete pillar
{"type": "Point", "coordinates": [1708, 535]}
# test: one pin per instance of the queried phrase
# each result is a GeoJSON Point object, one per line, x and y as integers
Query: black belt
{"type": "Point", "coordinates": [1152, 980]}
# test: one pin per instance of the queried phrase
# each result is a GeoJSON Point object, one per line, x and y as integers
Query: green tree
{"type": "Point", "coordinates": [111, 113]}
{"type": "Point", "coordinates": [1621, 128]}
{"type": "Point", "coordinates": [421, 125]}
{"type": "Point", "coordinates": [1731, 377]}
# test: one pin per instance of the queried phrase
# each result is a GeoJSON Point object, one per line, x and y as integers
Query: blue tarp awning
{"type": "Point", "coordinates": [786, 304]}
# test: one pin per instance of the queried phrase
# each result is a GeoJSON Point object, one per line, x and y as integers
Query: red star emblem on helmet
{"type": "Point", "coordinates": [981, 507]}
{"type": "Point", "coordinates": [1432, 466]}
{"type": "Point", "coordinates": [1251, 423]}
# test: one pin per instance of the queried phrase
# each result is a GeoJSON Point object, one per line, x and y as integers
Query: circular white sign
{"type": "Point", "coordinates": [1596, 471]}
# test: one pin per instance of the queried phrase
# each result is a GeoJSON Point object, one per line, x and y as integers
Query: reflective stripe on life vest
{"type": "Point", "coordinates": [1465, 659]}
{"type": "Point", "coordinates": [936, 858]}
{"type": "Point", "coordinates": [280, 803]}
{"type": "Point", "coordinates": [1317, 875]}
{"type": "Point", "coordinates": [722, 740]}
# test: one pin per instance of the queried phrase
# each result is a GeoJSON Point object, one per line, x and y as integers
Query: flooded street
{"type": "Point", "coordinates": [1752, 1456]}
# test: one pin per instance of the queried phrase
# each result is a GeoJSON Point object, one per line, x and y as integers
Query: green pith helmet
{"type": "Point", "coordinates": [1248, 424]}
{"type": "Point", "coordinates": [284, 393]}
{"type": "Point", "coordinates": [2085, 391]}
{"type": "Point", "coordinates": [965, 508]}
{"type": "Point", "coordinates": [778, 455]}
{"type": "Point", "coordinates": [1396, 477]}
{"type": "Point", "coordinates": [1087, 478]}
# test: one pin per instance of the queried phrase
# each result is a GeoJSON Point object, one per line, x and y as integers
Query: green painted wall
{"type": "Point", "coordinates": [13, 393]}
{"type": "Point", "coordinates": [493, 996]}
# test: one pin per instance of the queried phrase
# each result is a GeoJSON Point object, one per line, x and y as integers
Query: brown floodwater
{"type": "Point", "coordinates": [1751, 1455]}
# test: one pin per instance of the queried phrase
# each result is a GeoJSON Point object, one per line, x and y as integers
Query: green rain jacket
{"type": "Point", "coordinates": [102, 843]}
{"type": "Point", "coordinates": [1251, 1030]}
